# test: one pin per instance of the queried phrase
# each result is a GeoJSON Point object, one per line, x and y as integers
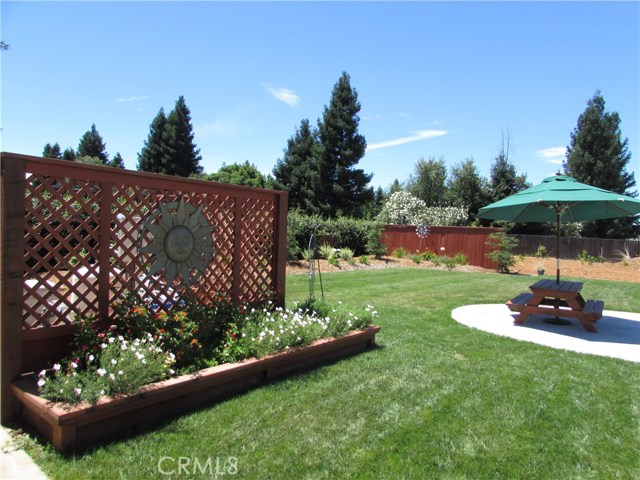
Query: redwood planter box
{"type": "Point", "coordinates": [66, 426]}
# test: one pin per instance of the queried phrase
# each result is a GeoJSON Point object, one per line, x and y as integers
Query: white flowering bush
{"type": "Point", "coordinates": [122, 367]}
{"type": "Point", "coordinates": [282, 329]}
{"type": "Point", "coordinates": [402, 208]}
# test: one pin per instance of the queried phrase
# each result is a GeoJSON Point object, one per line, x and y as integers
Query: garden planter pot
{"type": "Point", "coordinates": [66, 426]}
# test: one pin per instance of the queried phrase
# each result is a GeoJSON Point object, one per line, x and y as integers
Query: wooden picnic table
{"type": "Point", "coordinates": [562, 299]}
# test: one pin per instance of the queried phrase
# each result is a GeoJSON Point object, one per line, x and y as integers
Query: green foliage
{"type": "Point", "coordinates": [504, 179]}
{"type": "Point", "coordinates": [364, 260]}
{"type": "Point", "coordinates": [416, 258]}
{"type": "Point", "coordinates": [403, 208]}
{"type": "Point", "coordinates": [400, 252]}
{"type": "Point", "coordinates": [428, 181]}
{"type": "Point", "coordinates": [586, 258]}
{"type": "Point", "coordinates": [361, 236]}
{"type": "Point", "coordinates": [465, 187]}
{"type": "Point", "coordinates": [52, 151]}
{"type": "Point", "coordinates": [541, 251]}
{"type": "Point", "coordinates": [308, 254]}
{"type": "Point", "coordinates": [246, 174]}
{"type": "Point", "coordinates": [117, 161]}
{"type": "Point", "coordinates": [297, 171]}
{"type": "Point", "coordinates": [598, 156]}
{"type": "Point", "coordinates": [429, 255]}
{"type": "Point", "coordinates": [92, 145]}
{"type": "Point", "coordinates": [326, 251]}
{"type": "Point", "coordinates": [502, 246]}
{"type": "Point", "coordinates": [460, 259]}
{"type": "Point", "coordinates": [169, 148]}
{"type": "Point", "coordinates": [341, 189]}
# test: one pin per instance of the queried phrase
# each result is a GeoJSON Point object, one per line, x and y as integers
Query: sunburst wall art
{"type": "Point", "coordinates": [182, 242]}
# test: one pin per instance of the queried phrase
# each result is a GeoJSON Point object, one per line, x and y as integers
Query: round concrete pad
{"type": "Point", "coordinates": [618, 333]}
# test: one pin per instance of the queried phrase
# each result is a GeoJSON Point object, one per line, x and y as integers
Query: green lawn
{"type": "Point", "coordinates": [434, 400]}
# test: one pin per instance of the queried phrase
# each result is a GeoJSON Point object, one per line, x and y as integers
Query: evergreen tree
{"type": "Point", "coordinates": [504, 179]}
{"type": "Point", "coordinates": [297, 171]}
{"type": "Point", "coordinates": [182, 158]}
{"type": "Point", "coordinates": [598, 156]}
{"type": "Point", "coordinates": [117, 161]}
{"type": "Point", "coordinates": [151, 157]}
{"type": "Point", "coordinates": [467, 188]}
{"type": "Point", "coordinates": [52, 151]}
{"type": "Point", "coordinates": [69, 154]}
{"type": "Point", "coordinates": [341, 189]}
{"type": "Point", "coordinates": [396, 186]}
{"type": "Point", "coordinates": [91, 145]}
{"type": "Point", "coordinates": [428, 182]}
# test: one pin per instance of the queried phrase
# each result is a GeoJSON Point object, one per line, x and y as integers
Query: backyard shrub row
{"type": "Point", "coordinates": [360, 236]}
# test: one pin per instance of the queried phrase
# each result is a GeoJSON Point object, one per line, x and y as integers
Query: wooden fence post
{"type": "Point", "coordinates": [12, 208]}
{"type": "Point", "coordinates": [280, 253]}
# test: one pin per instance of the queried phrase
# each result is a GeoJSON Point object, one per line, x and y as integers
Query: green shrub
{"type": "Point", "coordinates": [428, 255]}
{"type": "Point", "coordinates": [364, 260]}
{"type": "Point", "coordinates": [399, 252]}
{"type": "Point", "coordinates": [326, 251]}
{"type": "Point", "coordinates": [417, 258]}
{"type": "Point", "coordinates": [449, 263]}
{"type": "Point", "coordinates": [346, 254]}
{"type": "Point", "coordinates": [502, 247]}
{"type": "Point", "coordinates": [461, 259]}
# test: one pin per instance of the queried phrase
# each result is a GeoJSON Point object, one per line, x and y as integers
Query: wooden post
{"type": "Point", "coordinates": [12, 208]}
{"type": "Point", "coordinates": [106, 197]}
{"type": "Point", "coordinates": [280, 250]}
{"type": "Point", "coordinates": [237, 250]}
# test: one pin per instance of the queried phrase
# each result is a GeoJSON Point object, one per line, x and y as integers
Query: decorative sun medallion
{"type": "Point", "coordinates": [422, 230]}
{"type": "Point", "coordinates": [182, 242]}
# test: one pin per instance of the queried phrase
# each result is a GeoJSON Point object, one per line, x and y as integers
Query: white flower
{"type": "Point", "coordinates": [111, 339]}
{"type": "Point", "coordinates": [42, 373]}
{"type": "Point", "coordinates": [56, 367]}
{"type": "Point", "coordinates": [120, 372]}
{"type": "Point", "coordinates": [77, 391]}
{"type": "Point", "coordinates": [101, 372]}
{"type": "Point", "coordinates": [103, 345]}
{"type": "Point", "coordinates": [91, 358]}
{"type": "Point", "coordinates": [112, 376]}
{"type": "Point", "coordinates": [41, 382]}
{"type": "Point", "coordinates": [114, 361]}
{"type": "Point", "coordinates": [74, 365]}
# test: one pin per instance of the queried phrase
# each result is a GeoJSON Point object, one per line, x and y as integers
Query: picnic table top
{"type": "Point", "coordinates": [563, 286]}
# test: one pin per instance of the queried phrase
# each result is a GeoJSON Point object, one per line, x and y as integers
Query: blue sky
{"type": "Point", "coordinates": [434, 79]}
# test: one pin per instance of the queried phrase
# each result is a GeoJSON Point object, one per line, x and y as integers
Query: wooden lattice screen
{"type": "Point", "coordinates": [73, 236]}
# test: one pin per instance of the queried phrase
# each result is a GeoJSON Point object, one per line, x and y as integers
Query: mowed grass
{"type": "Point", "coordinates": [435, 399]}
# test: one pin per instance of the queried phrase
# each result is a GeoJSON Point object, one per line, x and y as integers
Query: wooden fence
{"type": "Point", "coordinates": [571, 247]}
{"type": "Point", "coordinates": [75, 237]}
{"type": "Point", "coordinates": [442, 240]}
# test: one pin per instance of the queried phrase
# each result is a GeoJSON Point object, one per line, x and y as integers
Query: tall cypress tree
{"type": "Point", "coordinates": [92, 145]}
{"type": "Point", "coordinates": [342, 189]}
{"type": "Point", "coordinates": [117, 161]}
{"type": "Point", "coordinates": [182, 157]}
{"type": "Point", "coordinates": [151, 157]}
{"type": "Point", "coordinates": [598, 156]}
{"type": "Point", "coordinates": [297, 171]}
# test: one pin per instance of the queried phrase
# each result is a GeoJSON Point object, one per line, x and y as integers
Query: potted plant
{"type": "Point", "coordinates": [541, 254]}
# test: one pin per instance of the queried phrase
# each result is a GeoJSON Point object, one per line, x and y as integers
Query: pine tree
{"type": "Point", "coordinates": [151, 157]}
{"type": "Point", "coordinates": [117, 161]}
{"type": "Point", "coordinates": [341, 189]}
{"type": "Point", "coordinates": [467, 188]}
{"type": "Point", "coordinates": [182, 157]}
{"type": "Point", "coordinates": [52, 151]}
{"type": "Point", "coordinates": [297, 171]}
{"type": "Point", "coordinates": [69, 154]}
{"type": "Point", "coordinates": [598, 156]}
{"type": "Point", "coordinates": [92, 145]}
{"type": "Point", "coordinates": [504, 179]}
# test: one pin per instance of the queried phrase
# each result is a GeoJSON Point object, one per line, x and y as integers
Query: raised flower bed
{"type": "Point", "coordinates": [66, 426]}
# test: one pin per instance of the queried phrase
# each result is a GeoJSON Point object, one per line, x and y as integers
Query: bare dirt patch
{"type": "Point", "coordinates": [623, 271]}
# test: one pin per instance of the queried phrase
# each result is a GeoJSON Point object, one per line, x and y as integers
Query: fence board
{"type": "Point", "coordinates": [570, 247]}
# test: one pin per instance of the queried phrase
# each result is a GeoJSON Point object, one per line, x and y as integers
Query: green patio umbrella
{"type": "Point", "coordinates": [561, 199]}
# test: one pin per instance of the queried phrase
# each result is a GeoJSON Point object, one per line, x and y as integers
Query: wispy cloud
{"type": "Point", "coordinates": [132, 99]}
{"type": "Point", "coordinates": [416, 137]}
{"type": "Point", "coordinates": [553, 155]}
{"type": "Point", "coordinates": [371, 117]}
{"type": "Point", "coordinates": [283, 94]}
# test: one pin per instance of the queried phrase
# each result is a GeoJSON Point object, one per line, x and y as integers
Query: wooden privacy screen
{"type": "Point", "coordinates": [452, 240]}
{"type": "Point", "coordinates": [81, 236]}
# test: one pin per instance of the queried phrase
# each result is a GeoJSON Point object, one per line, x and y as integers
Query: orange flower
{"type": "Point", "coordinates": [194, 343]}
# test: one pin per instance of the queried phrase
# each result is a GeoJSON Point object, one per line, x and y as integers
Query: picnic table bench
{"type": "Point", "coordinates": [559, 300]}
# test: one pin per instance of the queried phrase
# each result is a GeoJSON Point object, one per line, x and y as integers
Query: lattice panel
{"type": "Point", "coordinates": [66, 246]}
{"type": "Point", "coordinates": [256, 252]}
{"type": "Point", "coordinates": [61, 236]}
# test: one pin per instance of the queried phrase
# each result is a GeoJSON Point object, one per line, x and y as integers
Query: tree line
{"type": "Point", "coordinates": [319, 170]}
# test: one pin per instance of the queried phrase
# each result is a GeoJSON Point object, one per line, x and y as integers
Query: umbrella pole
{"type": "Point", "coordinates": [557, 320]}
